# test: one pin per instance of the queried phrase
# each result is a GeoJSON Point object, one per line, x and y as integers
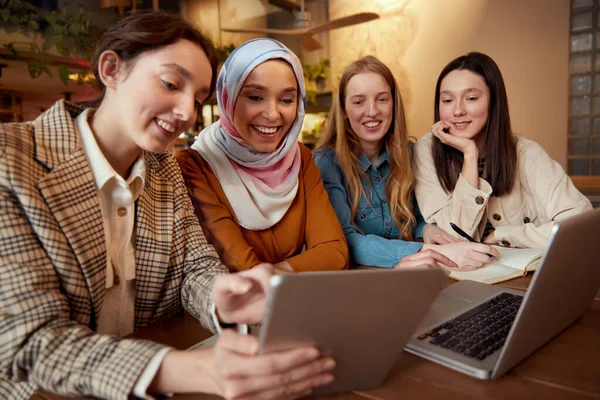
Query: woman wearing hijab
{"type": "Point", "coordinates": [256, 190]}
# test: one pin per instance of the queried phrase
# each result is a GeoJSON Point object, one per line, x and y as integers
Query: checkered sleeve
{"type": "Point", "coordinates": [200, 259]}
{"type": "Point", "coordinates": [40, 343]}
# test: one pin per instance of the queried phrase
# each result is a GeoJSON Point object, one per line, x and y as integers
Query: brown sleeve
{"type": "Point", "coordinates": [218, 223]}
{"type": "Point", "coordinates": [326, 247]}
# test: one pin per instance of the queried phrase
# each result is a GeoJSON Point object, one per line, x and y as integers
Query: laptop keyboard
{"type": "Point", "coordinates": [480, 331]}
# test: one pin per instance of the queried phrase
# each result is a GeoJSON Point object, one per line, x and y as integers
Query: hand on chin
{"type": "Point", "coordinates": [462, 144]}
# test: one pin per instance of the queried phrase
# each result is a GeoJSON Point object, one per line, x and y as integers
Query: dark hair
{"type": "Point", "coordinates": [500, 150]}
{"type": "Point", "coordinates": [146, 31]}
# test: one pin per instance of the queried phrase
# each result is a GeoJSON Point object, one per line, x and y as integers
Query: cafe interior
{"type": "Point", "coordinates": [548, 52]}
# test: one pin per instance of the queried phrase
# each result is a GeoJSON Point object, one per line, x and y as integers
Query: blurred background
{"type": "Point", "coordinates": [547, 50]}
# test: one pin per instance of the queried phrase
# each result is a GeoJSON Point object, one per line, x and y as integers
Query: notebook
{"type": "Point", "coordinates": [484, 330]}
{"type": "Point", "coordinates": [512, 263]}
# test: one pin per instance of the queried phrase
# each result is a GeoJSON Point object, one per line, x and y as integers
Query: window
{"type": "Point", "coordinates": [584, 89]}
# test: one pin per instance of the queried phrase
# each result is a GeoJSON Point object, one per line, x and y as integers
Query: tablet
{"type": "Point", "coordinates": [362, 318]}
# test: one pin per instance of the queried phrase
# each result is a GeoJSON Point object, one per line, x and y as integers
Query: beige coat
{"type": "Point", "coordinates": [542, 194]}
{"type": "Point", "coordinates": [53, 263]}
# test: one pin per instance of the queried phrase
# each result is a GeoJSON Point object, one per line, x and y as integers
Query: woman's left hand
{"type": "Point", "coordinates": [240, 297]}
{"type": "Point", "coordinates": [432, 234]}
{"type": "Point", "coordinates": [426, 258]}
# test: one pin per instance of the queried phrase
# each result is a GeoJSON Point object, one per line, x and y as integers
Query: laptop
{"type": "Point", "coordinates": [362, 318]}
{"type": "Point", "coordinates": [484, 330]}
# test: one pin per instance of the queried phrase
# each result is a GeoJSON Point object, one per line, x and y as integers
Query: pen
{"type": "Point", "coordinates": [466, 236]}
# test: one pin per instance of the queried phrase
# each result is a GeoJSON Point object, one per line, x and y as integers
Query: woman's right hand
{"type": "Point", "coordinates": [233, 369]}
{"type": "Point", "coordinates": [467, 146]}
{"type": "Point", "coordinates": [433, 234]}
{"type": "Point", "coordinates": [467, 256]}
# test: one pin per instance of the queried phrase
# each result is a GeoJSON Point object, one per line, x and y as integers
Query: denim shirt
{"type": "Point", "coordinates": [376, 241]}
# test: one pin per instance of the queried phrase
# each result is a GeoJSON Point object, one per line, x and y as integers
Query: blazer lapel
{"type": "Point", "coordinates": [55, 134]}
{"type": "Point", "coordinates": [71, 196]}
{"type": "Point", "coordinates": [154, 232]}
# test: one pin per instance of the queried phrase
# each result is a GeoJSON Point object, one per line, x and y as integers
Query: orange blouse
{"type": "Point", "coordinates": [310, 223]}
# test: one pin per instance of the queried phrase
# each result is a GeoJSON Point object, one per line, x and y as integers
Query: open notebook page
{"type": "Point", "coordinates": [510, 264]}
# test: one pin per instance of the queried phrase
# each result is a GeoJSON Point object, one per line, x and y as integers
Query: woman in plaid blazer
{"type": "Point", "coordinates": [154, 70]}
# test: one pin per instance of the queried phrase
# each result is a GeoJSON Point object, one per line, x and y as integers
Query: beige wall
{"type": "Point", "coordinates": [213, 15]}
{"type": "Point", "coordinates": [529, 39]}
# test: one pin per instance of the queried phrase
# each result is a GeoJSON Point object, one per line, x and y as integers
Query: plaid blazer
{"type": "Point", "coordinates": [53, 263]}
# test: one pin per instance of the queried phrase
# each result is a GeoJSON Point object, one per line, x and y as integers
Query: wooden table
{"type": "Point", "coordinates": [568, 367]}
{"type": "Point", "coordinates": [588, 185]}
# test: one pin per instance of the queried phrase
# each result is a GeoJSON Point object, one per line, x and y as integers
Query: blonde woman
{"type": "Point", "coordinates": [365, 162]}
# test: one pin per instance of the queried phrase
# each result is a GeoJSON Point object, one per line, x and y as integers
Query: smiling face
{"type": "Point", "coordinates": [158, 96]}
{"type": "Point", "coordinates": [369, 107]}
{"type": "Point", "coordinates": [464, 103]}
{"type": "Point", "coordinates": [265, 108]}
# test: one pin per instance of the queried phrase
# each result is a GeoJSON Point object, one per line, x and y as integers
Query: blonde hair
{"type": "Point", "coordinates": [338, 135]}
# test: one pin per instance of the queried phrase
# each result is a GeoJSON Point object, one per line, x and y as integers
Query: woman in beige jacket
{"type": "Point", "coordinates": [470, 170]}
{"type": "Point", "coordinates": [98, 238]}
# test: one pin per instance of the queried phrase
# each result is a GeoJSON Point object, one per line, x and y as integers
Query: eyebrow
{"type": "Point", "coordinates": [463, 91]}
{"type": "Point", "coordinates": [186, 74]}
{"type": "Point", "coordinates": [261, 87]}
{"type": "Point", "coordinates": [364, 95]}
{"type": "Point", "coordinates": [179, 69]}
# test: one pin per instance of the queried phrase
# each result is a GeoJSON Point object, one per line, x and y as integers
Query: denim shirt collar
{"type": "Point", "coordinates": [365, 163]}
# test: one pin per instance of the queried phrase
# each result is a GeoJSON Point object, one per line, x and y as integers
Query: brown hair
{"type": "Point", "coordinates": [340, 137]}
{"type": "Point", "coordinates": [500, 150]}
{"type": "Point", "coordinates": [146, 31]}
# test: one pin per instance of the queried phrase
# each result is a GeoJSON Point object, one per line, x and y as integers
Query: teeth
{"type": "Point", "coordinates": [372, 124]}
{"type": "Point", "coordinates": [265, 129]}
{"type": "Point", "coordinates": [461, 124]}
{"type": "Point", "coordinates": [165, 126]}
